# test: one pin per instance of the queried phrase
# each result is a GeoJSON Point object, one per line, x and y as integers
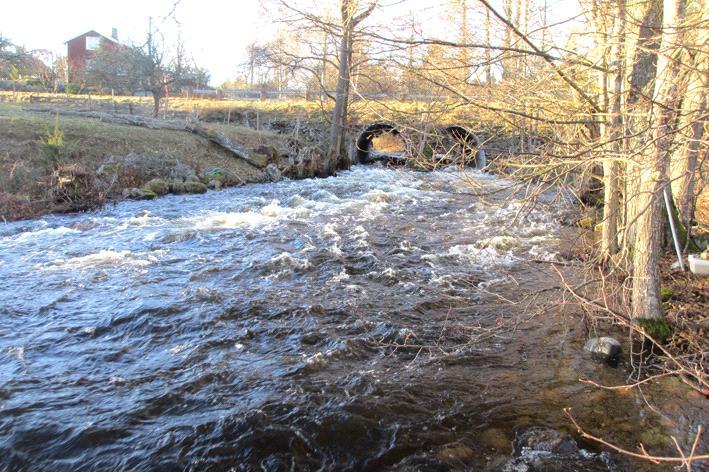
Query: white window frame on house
{"type": "Point", "coordinates": [93, 43]}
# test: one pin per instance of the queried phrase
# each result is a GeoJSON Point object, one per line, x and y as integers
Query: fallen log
{"type": "Point", "coordinates": [223, 141]}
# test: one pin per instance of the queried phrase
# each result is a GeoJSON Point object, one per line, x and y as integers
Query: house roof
{"type": "Point", "coordinates": [95, 33]}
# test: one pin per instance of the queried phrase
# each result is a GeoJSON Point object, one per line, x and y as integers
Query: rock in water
{"type": "Point", "coordinates": [549, 450]}
{"type": "Point", "coordinates": [545, 439]}
{"type": "Point", "coordinates": [604, 349]}
{"type": "Point", "coordinates": [273, 173]}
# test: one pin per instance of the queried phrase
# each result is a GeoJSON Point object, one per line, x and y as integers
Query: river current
{"type": "Point", "coordinates": [364, 321]}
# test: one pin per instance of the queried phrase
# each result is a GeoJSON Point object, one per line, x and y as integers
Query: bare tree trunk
{"type": "Point", "coordinates": [323, 69]}
{"type": "Point", "coordinates": [506, 63]}
{"type": "Point", "coordinates": [156, 104]}
{"type": "Point", "coordinates": [337, 125]}
{"type": "Point", "coordinates": [518, 10]}
{"type": "Point", "coordinates": [464, 57]}
{"type": "Point", "coordinates": [642, 76]}
{"type": "Point", "coordinates": [337, 155]}
{"type": "Point", "coordinates": [645, 61]}
{"type": "Point", "coordinates": [611, 168]}
{"type": "Point", "coordinates": [488, 51]}
{"type": "Point", "coordinates": [646, 298]}
{"type": "Point", "coordinates": [685, 170]}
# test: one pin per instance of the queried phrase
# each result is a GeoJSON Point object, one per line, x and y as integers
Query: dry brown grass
{"type": "Point", "coordinates": [388, 142]}
{"type": "Point", "coordinates": [416, 114]}
{"type": "Point", "coordinates": [26, 174]}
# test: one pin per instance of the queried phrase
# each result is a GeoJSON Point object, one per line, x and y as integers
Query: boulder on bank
{"type": "Point", "coordinates": [158, 187]}
{"type": "Point", "coordinates": [138, 194]}
{"type": "Point", "coordinates": [217, 177]}
{"type": "Point", "coordinates": [182, 173]}
{"type": "Point", "coordinates": [178, 187]}
{"type": "Point", "coordinates": [195, 187]}
{"type": "Point", "coordinates": [604, 349]}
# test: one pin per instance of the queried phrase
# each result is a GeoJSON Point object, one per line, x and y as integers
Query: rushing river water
{"type": "Point", "coordinates": [352, 322]}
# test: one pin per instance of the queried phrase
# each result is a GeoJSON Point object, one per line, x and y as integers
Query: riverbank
{"type": "Point", "coordinates": [56, 163]}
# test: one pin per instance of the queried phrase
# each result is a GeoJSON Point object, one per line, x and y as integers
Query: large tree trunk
{"type": "Point", "coordinates": [685, 169]}
{"type": "Point", "coordinates": [646, 298]}
{"type": "Point", "coordinates": [641, 78]}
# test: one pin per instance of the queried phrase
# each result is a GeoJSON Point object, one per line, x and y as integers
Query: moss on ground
{"type": "Point", "coordinates": [666, 293]}
{"type": "Point", "coordinates": [659, 329]}
{"type": "Point", "coordinates": [158, 186]}
{"type": "Point", "coordinates": [195, 187]}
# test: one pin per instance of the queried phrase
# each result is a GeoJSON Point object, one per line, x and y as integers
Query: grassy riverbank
{"type": "Point", "coordinates": [45, 159]}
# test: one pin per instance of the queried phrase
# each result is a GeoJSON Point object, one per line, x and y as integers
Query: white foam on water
{"type": "Point", "coordinates": [360, 235]}
{"type": "Point", "coordinates": [45, 233]}
{"type": "Point", "coordinates": [445, 280]}
{"type": "Point", "coordinates": [229, 220]}
{"type": "Point", "coordinates": [343, 275]}
{"type": "Point", "coordinates": [179, 348]}
{"type": "Point", "coordinates": [489, 283]}
{"type": "Point", "coordinates": [355, 288]}
{"type": "Point", "coordinates": [281, 265]}
{"type": "Point", "coordinates": [272, 209]}
{"type": "Point", "coordinates": [487, 257]}
{"type": "Point", "coordinates": [541, 253]}
{"type": "Point", "coordinates": [330, 231]}
{"type": "Point", "coordinates": [379, 196]}
{"type": "Point", "coordinates": [504, 243]}
{"type": "Point", "coordinates": [18, 352]}
{"type": "Point", "coordinates": [105, 257]}
{"type": "Point", "coordinates": [316, 359]}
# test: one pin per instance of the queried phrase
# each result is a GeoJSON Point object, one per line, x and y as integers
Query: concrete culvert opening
{"type": "Point", "coordinates": [462, 146]}
{"type": "Point", "coordinates": [380, 142]}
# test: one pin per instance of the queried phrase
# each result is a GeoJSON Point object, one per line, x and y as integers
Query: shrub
{"type": "Point", "coordinates": [53, 146]}
{"type": "Point", "coordinates": [72, 187]}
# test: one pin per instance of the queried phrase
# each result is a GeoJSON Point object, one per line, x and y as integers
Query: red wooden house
{"type": "Point", "coordinates": [81, 49]}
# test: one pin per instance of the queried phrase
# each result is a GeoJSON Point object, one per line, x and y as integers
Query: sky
{"type": "Point", "coordinates": [215, 32]}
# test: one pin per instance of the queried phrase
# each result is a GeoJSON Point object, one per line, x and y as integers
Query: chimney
{"type": "Point", "coordinates": [114, 34]}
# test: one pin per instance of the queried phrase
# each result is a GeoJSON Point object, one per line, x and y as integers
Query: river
{"type": "Point", "coordinates": [367, 321]}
